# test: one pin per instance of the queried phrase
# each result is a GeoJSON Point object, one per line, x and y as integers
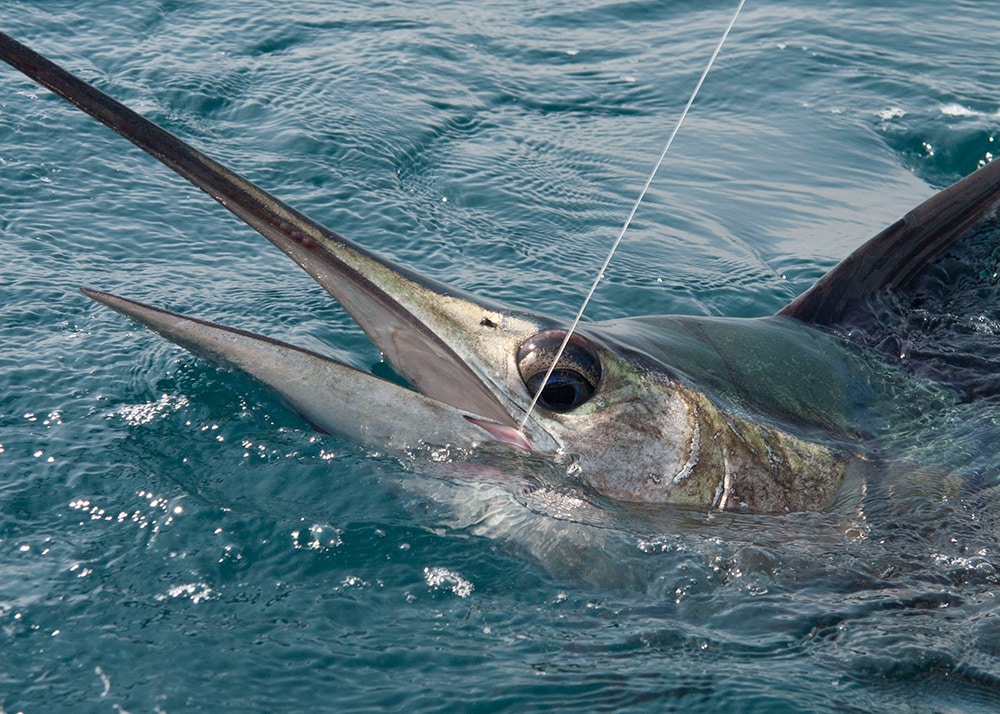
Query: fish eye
{"type": "Point", "coordinates": [575, 377]}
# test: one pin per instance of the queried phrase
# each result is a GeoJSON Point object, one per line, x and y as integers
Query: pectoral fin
{"type": "Point", "coordinates": [896, 256]}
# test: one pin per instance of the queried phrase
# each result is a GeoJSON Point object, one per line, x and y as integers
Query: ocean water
{"type": "Point", "coordinates": [173, 539]}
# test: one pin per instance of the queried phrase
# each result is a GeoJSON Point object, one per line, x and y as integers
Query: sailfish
{"type": "Point", "coordinates": [768, 414]}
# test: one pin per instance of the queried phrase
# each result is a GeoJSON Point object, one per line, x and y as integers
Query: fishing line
{"type": "Point", "coordinates": [631, 214]}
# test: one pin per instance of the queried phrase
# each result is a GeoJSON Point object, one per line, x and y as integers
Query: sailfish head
{"type": "Point", "coordinates": [473, 364]}
{"type": "Point", "coordinates": [651, 410]}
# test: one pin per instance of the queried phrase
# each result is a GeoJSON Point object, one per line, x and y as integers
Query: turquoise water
{"type": "Point", "coordinates": [173, 539]}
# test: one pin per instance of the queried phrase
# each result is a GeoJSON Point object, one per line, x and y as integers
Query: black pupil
{"type": "Point", "coordinates": [565, 390]}
{"type": "Point", "coordinates": [577, 372]}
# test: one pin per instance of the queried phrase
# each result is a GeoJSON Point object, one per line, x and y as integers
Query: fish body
{"type": "Point", "coordinates": [768, 415]}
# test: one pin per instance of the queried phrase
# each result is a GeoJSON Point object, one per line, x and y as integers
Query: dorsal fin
{"type": "Point", "coordinates": [894, 257]}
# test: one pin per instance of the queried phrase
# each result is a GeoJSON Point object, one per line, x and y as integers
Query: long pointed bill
{"type": "Point", "coordinates": [421, 327]}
